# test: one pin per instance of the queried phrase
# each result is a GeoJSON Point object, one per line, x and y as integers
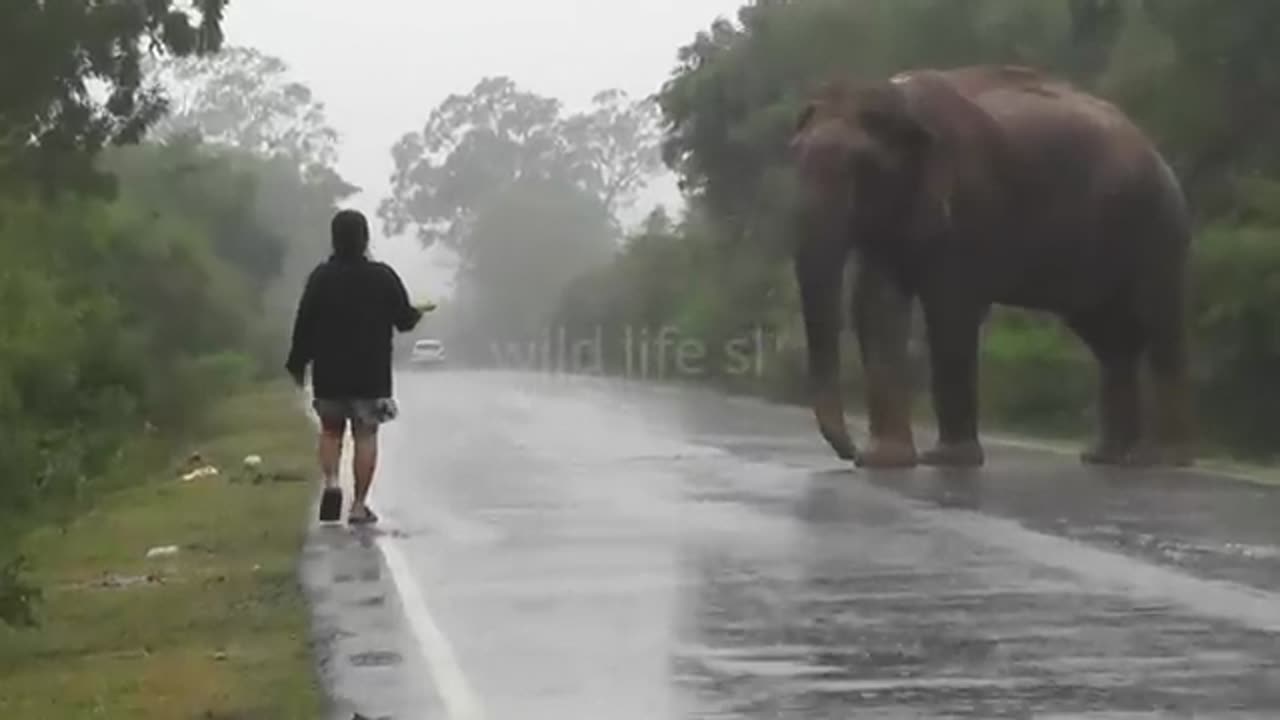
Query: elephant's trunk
{"type": "Point", "coordinates": [829, 410]}
{"type": "Point", "coordinates": [820, 275]}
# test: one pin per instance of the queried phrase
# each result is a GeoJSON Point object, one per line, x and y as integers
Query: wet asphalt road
{"type": "Point", "coordinates": [595, 550]}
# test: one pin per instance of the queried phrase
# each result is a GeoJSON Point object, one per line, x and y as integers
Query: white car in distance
{"type": "Point", "coordinates": [427, 352]}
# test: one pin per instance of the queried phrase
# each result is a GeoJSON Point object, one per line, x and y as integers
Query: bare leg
{"type": "Point", "coordinates": [363, 464]}
{"type": "Point", "coordinates": [330, 452]}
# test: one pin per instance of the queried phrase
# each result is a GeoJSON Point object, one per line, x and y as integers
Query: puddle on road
{"type": "Point", "coordinates": [376, 658]}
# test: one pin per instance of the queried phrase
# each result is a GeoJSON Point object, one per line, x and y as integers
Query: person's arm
{"type": "Point", "coordinates": [302, 346]}
{"type": "Point", "coordinates": [404, 316]}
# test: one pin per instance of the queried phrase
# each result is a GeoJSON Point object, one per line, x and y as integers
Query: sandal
{"type": "Point", "coordinates": [331, 505]}
{"type": "Point", "coordinates": [362, 516]}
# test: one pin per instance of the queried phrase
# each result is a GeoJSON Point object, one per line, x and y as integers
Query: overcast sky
{"type": "Point", "coordinates": [381, 65]}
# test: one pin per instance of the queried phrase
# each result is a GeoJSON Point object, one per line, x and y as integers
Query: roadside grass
{"type": "Point", "coordinates": [217, 631]}
{"type": "Point", "coordinates": [1210, 464]}
{"type": "Point", "coordinates": [1244, 472]}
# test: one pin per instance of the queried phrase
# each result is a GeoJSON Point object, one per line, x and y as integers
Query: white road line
{"type": "Point", "coordinates": [461, 702]}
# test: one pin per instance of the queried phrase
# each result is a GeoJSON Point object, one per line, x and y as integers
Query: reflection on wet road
{"type": "Point", "coordinates": [596, 550]}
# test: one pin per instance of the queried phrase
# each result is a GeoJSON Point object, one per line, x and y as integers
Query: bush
{"type": "Point", "coordinates": [1035, 375]}
{"type": "Point", "coordinates": [1237, 331]}
{"type": "Point", "coordinates": [118, 319]}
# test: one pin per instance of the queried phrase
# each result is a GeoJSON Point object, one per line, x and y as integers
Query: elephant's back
{"type": "Point", "coordinates": [1009, 91]}
{"type": "Point", "coordinates": [1087, 183]}
{"type": "Point", "coordinates": [1055, 126]}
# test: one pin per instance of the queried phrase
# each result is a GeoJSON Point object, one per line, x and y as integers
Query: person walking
{"type": "Point", "coordinates": [346, 318]}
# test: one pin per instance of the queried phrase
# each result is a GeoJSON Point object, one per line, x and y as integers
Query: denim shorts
{"type": "Point", "coordinates": [364, 414]}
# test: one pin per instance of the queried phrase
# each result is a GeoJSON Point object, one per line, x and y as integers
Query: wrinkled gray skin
{"type": "Point", "coordinates": [977, 186]}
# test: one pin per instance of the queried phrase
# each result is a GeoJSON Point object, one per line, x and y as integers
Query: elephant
{"type": "Point", "coordinates": [975, 186]}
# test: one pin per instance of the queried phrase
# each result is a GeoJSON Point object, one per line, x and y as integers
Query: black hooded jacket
{"type": "Point", "coordinates": [344, 327]}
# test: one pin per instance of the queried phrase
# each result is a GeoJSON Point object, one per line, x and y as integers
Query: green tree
{"type": "Point", "coordinates": [244, 99]}
{"type": "Point", "coordinates": [270, 129]}
{"type": "Point", "coordinates": [523, 193]}
{"type": "Point", "coordinates": [51, 123]}
{"type": "Point", "coordinates": [124, 318]}
{"type": "Point", "coordinates": [1214, 101]}
{"type": "Point", "coordinates": [615, 146]}
{"type": "Point", "coordinates": [210, 185]}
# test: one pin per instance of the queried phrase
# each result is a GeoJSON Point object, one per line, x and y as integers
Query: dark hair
{"type": "Point", "coordinates": [350, 231]}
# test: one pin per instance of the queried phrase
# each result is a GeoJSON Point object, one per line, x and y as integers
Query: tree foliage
{"type": "Point", "coordinates": [524, 194]}
{"type": "Point", "coordinates": [270, 130]}
{"type": "Point", "coordinates": [51, 122]}
{"type": "Point", "coordinates": [477, 146]}
{"type": "Point", "coordinates": [245, 99]}
{"type": "Point", "coordinates": [120, 324]}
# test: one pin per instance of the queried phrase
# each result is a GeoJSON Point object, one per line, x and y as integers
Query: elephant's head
{"type": "Point", "coordinates": [874, 164]}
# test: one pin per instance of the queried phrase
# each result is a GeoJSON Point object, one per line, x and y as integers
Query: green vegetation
{"type": "Point", "coordinates": [218, 630]}
{"type": "Point", "coordinates": [148, 264]}
{"type": "Point", "coordinates": [1199, 75]}
{"type": "Point", "coordinates": [51, 122]}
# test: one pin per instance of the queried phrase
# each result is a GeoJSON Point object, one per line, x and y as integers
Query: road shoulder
{"type": "Point", "coordinates": [368, 660]}
{"type": "Point", "coordinates": [1207, 467]}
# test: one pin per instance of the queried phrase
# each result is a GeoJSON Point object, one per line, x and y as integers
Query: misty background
{"type": "Point", "coordinates": [382, 70]}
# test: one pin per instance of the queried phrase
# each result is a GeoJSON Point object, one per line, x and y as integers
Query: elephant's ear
{"type": "Point", "coordinates": [912, 120]}
{"type": "Point", "coordinates": [936, 183]}
{"type": "Point", "coordinates": [897, 129]}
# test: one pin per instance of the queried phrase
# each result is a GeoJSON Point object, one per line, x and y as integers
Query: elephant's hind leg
{"type": "Point", "coordinates": [1170, 441]}
{"type": "Point", "coordinates": [1159, 304]}
{"type": "Point", "coordinates": [1116, 339]}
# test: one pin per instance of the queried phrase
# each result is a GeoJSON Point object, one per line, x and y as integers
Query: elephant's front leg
{"type": "Point", "coordinates": [882, 318]}
{"type": "Point", "coordinates": [953, 326]}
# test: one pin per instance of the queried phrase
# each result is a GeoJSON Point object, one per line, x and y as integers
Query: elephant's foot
{"type": "Point", "coordinates": [1106, 453]}
{"type": "Point", "coordinates": [1142, 456]}
{"type": "Point", "coordinates": [1181, 457]}
{"type": "Point", "coordinates": [886, 453]}
{"type": "Point", "coordinates": [963, 454]}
